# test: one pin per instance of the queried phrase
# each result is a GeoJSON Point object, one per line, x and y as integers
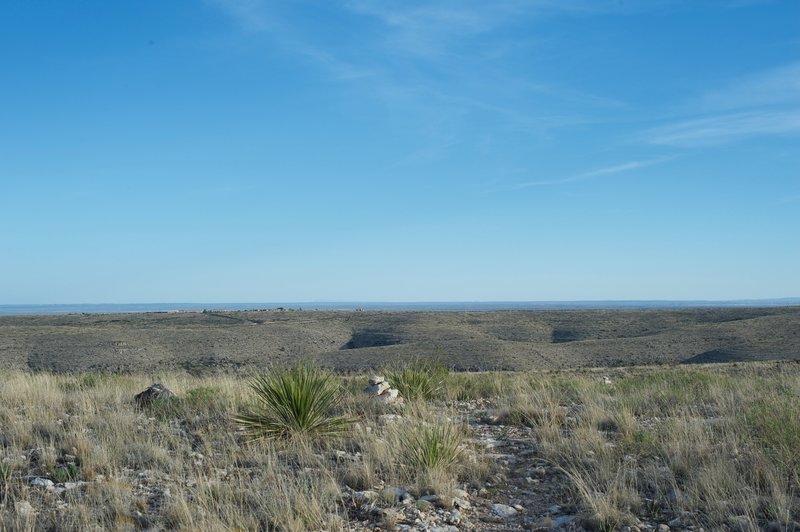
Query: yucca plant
{"type": "Point", "coordinates": [292, 402]}
{"type": "Point", "coordinates": [432, 446]}
{"type": "Point", "coordinates": [418, 379]}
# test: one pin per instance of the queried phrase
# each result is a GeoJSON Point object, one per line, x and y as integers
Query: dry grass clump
{"type": "Point", "coordinates": [423, 447]}
{"type": "Point", "coordinates": [533, 402]}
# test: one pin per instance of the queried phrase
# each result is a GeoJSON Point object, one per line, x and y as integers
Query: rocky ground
{"type": "Point", "coordinates": [651, 449]}
{"type": "Point", "coordinates": [523, 492]}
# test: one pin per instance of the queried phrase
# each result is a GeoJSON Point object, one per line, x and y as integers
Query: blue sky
{"type": "Point", "coordinates": [239, 150]}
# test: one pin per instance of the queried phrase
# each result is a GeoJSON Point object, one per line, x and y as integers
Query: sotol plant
{"type": "Point", "coordinates": [292, 402]}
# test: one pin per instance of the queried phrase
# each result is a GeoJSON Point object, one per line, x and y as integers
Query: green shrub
{"type": "Point", "coordinates": [204, 397]}
{"type": "Point", "coordinates": [202, 394]}
{"type": "Point", "coordinates": [65, 473]}
{"type": "Point", "coordinates": [295, 401]}
{"type": "Point", "coordinates": [418, 379]}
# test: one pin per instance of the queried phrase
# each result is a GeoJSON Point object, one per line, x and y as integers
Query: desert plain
{"type": "Point", "coordinates": [578, 421]}
{"type": "Point", "coordinates": [356, 341]}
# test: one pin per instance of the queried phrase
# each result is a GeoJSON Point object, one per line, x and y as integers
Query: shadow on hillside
{"type": "Point", "coordinates": [714, 356]}
{"type": "Point", "coordinates": [371, 338]}
{"type": "Point", "coordinates": [560, 336]}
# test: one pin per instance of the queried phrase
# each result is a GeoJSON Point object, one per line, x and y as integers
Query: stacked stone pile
{"type": "Point", "coordinates": [380, 390]}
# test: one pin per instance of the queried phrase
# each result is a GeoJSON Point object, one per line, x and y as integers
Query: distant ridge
{"type": "Point", "coordinates": [422, 306]}
{"type": "Point", "coordinates": [344, 340]}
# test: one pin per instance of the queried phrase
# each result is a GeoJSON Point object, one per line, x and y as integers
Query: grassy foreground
{"type": "Point", "coordinates": [713, 447]}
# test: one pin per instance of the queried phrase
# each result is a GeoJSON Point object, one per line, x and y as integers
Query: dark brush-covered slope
{"type": "Point", "coordinates": [234, 341]}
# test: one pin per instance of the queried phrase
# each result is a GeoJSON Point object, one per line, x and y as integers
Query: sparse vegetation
{"type": "Point", "coordinates": [432, 445]}
{"type": "Point", "coordinates": [471, 341]}
{"type": "Point", "coordinates": [419, 379]}
{"type": "Point", "coordinates": [713, 447]}
{"type": "Point", "coordinates": [701, 444]}
{"type": "Point", "coordinates": [294, 402]}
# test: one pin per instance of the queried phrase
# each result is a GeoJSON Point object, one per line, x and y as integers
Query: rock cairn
{"type": "Point", "coordinates": [380, 390]}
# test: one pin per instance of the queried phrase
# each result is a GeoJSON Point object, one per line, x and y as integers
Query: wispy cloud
{"type": "Point", "coordinates": [575, 96]}
{"type": "Point", "coordinates": [419, 56]}
{"type": "Point", "coordinates": [430, 31]}
{"type": "Point", "coordinates": [254, 16]}
{"type": "Point", "coordinates": [759, 104]}
{"type": "Point", "coordinates": [597, 172]}
{"type": "Point", "coordinates": [776, 86]}
{"type": "Point", "coordinates": [724, 128]}
{"type": "Point", "coordinates": [435, 28]}
{"type": "Point", "coordinates": [249, 14]}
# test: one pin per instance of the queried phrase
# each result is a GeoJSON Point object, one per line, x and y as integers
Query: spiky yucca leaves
{"type": "Point", "coordinates": [432, 446]}
{"type": "Point", "coordinates": [292, 402]}
{"type": "Point", "coordinates": [419, 379]}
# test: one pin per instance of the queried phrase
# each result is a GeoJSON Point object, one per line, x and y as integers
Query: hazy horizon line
{"type": "Point", "coordinates": [392, 306]}
{"type": "Point", "coordinates": [409, 301]}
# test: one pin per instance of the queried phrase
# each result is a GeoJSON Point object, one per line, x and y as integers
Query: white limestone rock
{"type": "Point", "coordinates": [377, 389]}
{"type": "Point", "coordinates": [391, 395]}
{"type": "Point", "coordinates": [503, 510]}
